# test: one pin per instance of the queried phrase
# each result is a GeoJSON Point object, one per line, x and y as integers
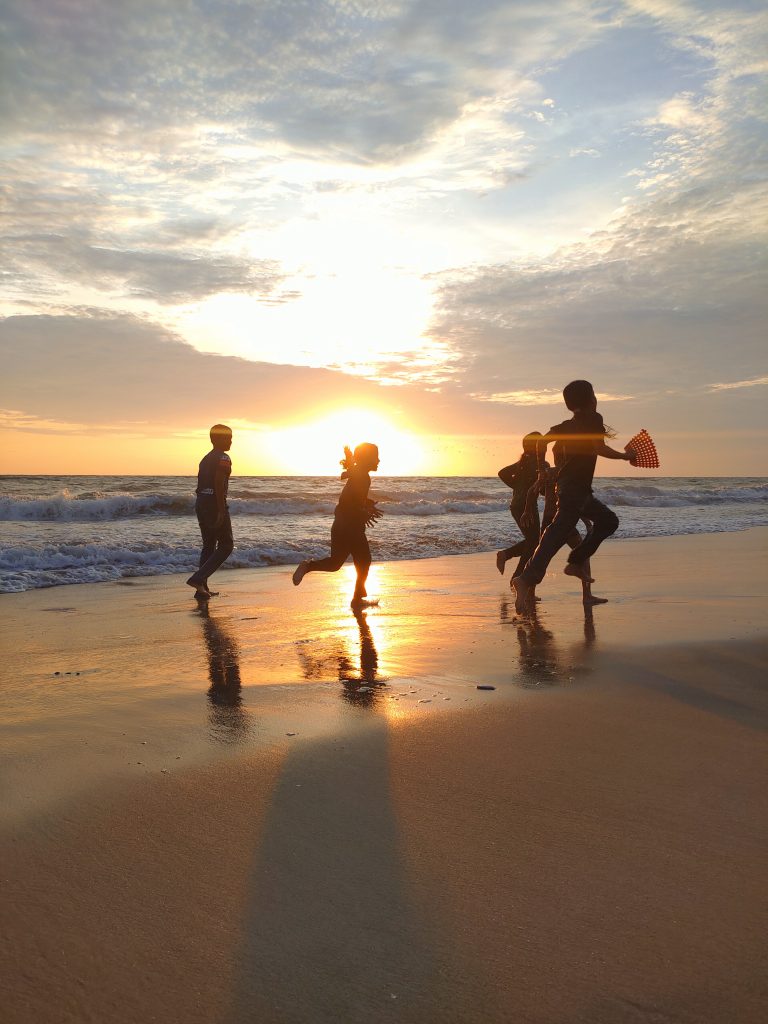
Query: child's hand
{"type": "Point", "coordinates": [631, 456]}
{"type": "Point", "coordinates": [372, 514]}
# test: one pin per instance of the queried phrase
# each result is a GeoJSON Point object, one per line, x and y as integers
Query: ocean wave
{"type": "Point", "coordinates": [649, 496]}
{"type": "Point", "coordinates": [406, 500]}
{"type": "Point", "coordinates": [50, 563]}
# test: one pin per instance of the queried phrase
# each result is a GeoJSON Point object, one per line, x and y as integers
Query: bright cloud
{"type": "Point", "coordinates": [450, 209]}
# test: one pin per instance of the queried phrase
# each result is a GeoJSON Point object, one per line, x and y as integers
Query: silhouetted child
{"type": "Point", "coordinates": [521, 476]}
{"type": "Point", "coordinates": [353, 513]}
{"type": "Point", "coordinates": [583, 437]}
{"type": "Point", "coordinates": [212, 511]}
{"type": "Point", "coordinates": [574, 537]}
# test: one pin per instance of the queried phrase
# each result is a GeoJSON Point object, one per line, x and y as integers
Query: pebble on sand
{"type": "Point", "coordinates": [484, 686]}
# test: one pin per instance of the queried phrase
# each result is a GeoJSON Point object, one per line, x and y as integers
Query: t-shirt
{"type": "Point", "coordinates": [351, 508]}
{"type": "Point", "coordinates": [206, 474]}
{"type": "Point", "coordinates": [580, 437]}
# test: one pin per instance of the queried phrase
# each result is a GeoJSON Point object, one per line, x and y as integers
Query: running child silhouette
{"type": "Point", "coordinates": [521, 476]}
{"type": "Point", "coordinates": [583, 436]}
{"type": "Point", "coordinates": [574, 537]}
{"type": "Point", "coordinates": [353, 513]}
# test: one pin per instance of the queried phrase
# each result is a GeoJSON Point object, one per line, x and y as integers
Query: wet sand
{"type": "Point", "coordinates": [585, 842]}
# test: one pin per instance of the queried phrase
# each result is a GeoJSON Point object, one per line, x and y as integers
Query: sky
{"type": "Point", "coordinates": [409, 222]}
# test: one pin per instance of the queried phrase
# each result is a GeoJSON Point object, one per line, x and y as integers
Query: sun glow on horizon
{"type": "Point", "coordinates": [315, 448]}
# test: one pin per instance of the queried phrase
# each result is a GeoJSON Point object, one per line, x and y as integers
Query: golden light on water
{"type": "Point", "coordinates": [315, 448]}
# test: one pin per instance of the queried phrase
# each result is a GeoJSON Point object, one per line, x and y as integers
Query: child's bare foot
{"type": "Point", "coordinates": [359, 602]}
{"type": "Point", "coordinates": [590, 599]}
{"type": "Point", "coordinates": [523, 593]}
{"type": "Point", "coordinates": [300, 572]}
{"type": "Point", "coordinates": [500, 561]}
{"type": "Point", "coordinates": [579, 571]}
{"type": "Point", "coordinates": [202, 593]}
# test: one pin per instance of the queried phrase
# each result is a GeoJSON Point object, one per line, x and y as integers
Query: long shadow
{"type": "Point", "coordinates": [694, 696]}
{"type": "Point", "coordinates": [228, 719]}
{"type": "Point", "coordinates": [329, 932]}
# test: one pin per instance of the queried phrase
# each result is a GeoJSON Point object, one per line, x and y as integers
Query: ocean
{"type": "Point", "coordinates": [86, 529]}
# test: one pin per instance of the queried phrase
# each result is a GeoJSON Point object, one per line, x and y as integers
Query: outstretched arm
{"type": "Point", "coordinates": [610, 453]}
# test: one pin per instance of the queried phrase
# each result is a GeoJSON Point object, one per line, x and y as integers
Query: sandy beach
{"type": "Point", "coordinates": [279, 812]}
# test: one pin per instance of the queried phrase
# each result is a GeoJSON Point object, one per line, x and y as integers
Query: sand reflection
{"type": "Point", "coordinates": [543, 661]}
{"type": "Point", "coordinates": [228, 719]}
{"type": "Point", "coordinates": [351, 657]}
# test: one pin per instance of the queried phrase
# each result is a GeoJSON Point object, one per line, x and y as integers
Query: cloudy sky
{"type": "Point", "coordinates": [319, 221]}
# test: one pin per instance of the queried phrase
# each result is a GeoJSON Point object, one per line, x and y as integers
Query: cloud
{"type": "Point", "coordinates": [104, 373]}
{"type": "Point", "coordinates": [548, 396]}
{"type": "Point", "coordinates": [164, 276]}
{"type": "Point", "coordinates": [671, 288]}
{"type": "Point", "coordinates": [755, 382]}
{"type": "Point", "coordinates": [367, 81]}
{"type": "Point", "coordinates": [109, 372]}
{"type": "Point", "coordinates": [100, 368]}
{"type": "Point", "coordinates": [671, 292]}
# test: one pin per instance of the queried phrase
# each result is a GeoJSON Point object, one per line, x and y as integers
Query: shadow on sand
{"type": "Point", "coordinates": [329, 932]}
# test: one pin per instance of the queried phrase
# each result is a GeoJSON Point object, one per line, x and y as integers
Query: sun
{"type": "Point", "coordinates": [315, 447]}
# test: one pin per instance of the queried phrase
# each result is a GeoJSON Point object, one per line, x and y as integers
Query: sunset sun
{"type": "Point", "coordinates": [315, 448]}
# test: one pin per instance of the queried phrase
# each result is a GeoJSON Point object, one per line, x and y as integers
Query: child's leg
{"type": "Point", "coordinates": [361, 556]}
{"type": "Point", "coordinates": [604, 523]}
{"type": "Point", "coordinates": [503, 556]}
{"type": "Point", "coordinates": [556, 534]}
{"type": "Point", "coordinates": [340, 551]}
{"type": "Point", "coordinates": [587, 596]}
{"type": "Point", "coordinates": [531, 535]}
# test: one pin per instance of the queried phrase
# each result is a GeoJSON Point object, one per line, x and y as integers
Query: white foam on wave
{"type": "Point", "coordinates": [423, 500]}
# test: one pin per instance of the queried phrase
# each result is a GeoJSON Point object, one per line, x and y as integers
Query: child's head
{"type": "Point", "coordinates": [221, 437]}
{"type": "Point", "coordinates": [579, 396]}
{"type": "Point", "coordinates": [530, 441]}
{"type": "Point", "coordinates": [365, 456]}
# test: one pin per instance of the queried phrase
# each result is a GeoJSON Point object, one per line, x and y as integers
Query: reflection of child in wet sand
{"type": "Point", "coordinates": [521, 476]}
{"type": "Point", "coordinates": [574, 537]}
{"type": "Point", "coordinates": [353, 513]}
{"type": "Point", "coordinates": [584, 439]}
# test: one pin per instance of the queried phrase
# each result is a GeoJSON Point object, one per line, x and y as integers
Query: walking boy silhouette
{"type": "Point", "coordinates": [211, 510]}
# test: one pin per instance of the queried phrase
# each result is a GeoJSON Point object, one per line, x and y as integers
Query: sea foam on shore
{"type": "Point", "coordinates": [61, 530]}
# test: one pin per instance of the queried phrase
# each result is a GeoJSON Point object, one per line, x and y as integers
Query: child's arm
{"type": "Point", "coordinates": [531, 501]}
{"type": "Point", "coordinates": [610, 453]}
{"type": "Point", "coordinates": [220, 481]}
{"type": "Point", "coordinates": [508, 474]}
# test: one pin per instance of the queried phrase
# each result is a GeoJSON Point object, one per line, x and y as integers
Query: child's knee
{"type": "Point", "coordinates": [611, 523]}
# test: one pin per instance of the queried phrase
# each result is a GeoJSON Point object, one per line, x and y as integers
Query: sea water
{"type": "Point", "coordinates": [85, 529]}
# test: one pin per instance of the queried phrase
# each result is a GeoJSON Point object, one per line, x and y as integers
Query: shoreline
{"type": "Point", "coordinates": [226, 569]}
{"type": "Point", "coordinates": [281, 811]}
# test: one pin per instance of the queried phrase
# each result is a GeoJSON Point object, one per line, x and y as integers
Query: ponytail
{"type": "Point", "coordinates": [347, 462]}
